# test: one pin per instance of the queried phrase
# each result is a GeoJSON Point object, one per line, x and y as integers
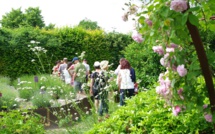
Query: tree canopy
{"type": "Point", "coordinates": [16, 18]}
{"type": "Point", "coordinates": [88, 24]}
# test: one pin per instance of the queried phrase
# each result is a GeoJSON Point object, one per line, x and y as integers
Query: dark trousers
{"type": "Point", "coordinates": [125, 93]}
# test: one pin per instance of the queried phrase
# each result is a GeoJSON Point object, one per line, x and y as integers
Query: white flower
{"type": "Point", "coordinates": [87, 112]}
{"type": "Point", "coordinates": [76, 118]}
{"type": "Point", "coordinates": [32, 41]}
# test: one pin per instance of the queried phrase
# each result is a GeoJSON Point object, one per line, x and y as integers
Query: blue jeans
{"type": "Point", "coordinates": [125, 93]}
{"type": "Point", "coordinates": [77, 86]}
{"type": "Point", "coordinates": [103, 108]}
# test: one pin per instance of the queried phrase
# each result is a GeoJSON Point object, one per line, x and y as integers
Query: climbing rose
{"type": "Point", "coordinates": [181, 70]}
{"type": "Point", "coordinates": [208, 117]}
{"type": "Point", "coordinates": [176, 110]}
{"type": "Point", "coordinates": [158, 49]}
{"type": "Point", "coordinates": [205, 106]}
{"type": "Point", "coordinates": [137, 37]}
{"type": "Point", "coordinates": [180, 93]}
{"type": "Point", "coordinates": [149, 22]}
{"type": "Point", "coordinates": [178, 5]}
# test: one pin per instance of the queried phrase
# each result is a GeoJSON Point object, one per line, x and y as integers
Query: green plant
{"type": "Point", "coordinates": [20, 122]}
{"type": "Point", "coordinates": [145, 113]}
{"type": "Point", "coordinates": [7, 97]}
{"type": "Point", "coordinates": [41, 99]}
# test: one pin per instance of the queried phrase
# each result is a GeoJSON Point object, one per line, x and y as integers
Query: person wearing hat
{"type": "Point", "coordinates": [93, 79]}
{"type": "Point", "coordinates": [103, 107]}
{"type": "Point", "coordinates": [79, 76]}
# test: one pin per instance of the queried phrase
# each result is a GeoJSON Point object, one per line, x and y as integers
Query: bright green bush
{"type": "Point", "coordinates": [16, 122]}
{"type": "Point", "coordinates": [59, 43]}
{"type": "Point", "coordinates": [8, 96]}
{"type": "Point", "coordinates": [145, 62]}
{"type": "Point", "coordinates": [145, 113]}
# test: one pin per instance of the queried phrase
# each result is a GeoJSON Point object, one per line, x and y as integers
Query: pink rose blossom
{"type": "Point", "coordinates": [133, 9]}
{"type": "Point", "coordinates": [149, 22]}
{"type": "Point", "coordinates": [178, 5]}
{"type": "Point", "coordinates": [208, 117]}
{"type": "Point", "coordinates": [181, 70]}
{"type": "Point", "coordinates": [137, 37]}
{"type": "Point", "coordinates": [172, 45]}
{"type": "Point", "coordinates": [176, 110]}
{"type": "Point", "coordinates": [158, 49]}
{"type": "Point", "coordinates": [164, 61]}
{"type": "Point", "coordinates": [205, 106]}
{"type": "Point", "coordinates": [169, 49]}
{"type": "Point", "coordinates": [180, 93]}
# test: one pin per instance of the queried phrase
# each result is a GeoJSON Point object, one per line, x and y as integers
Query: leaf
{"type": "Point", "coordinates": [184, 19]}
{"type": "Point", "coordinates": [141, 20]}
{"type": "Point", "coordinates": [193, 20]}
{"type": "Point", "coordinates": [193, 9]}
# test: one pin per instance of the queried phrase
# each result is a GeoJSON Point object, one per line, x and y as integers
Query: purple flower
{"type": "Point", "coordinates": [158, 49]}
{"type": "Point", "coordinates": [181, 70]}
{"type": "Point", "coordinates": [178, 5]}
{"type": "Point", "coordinates": [172, 45]}
{"type": "Point", "coordinates": [176, 110]}
{"type": "Point", "coordinates": [149, 22]}
{"type": "Point", "coordinates": [35, 79]}
{"type": "Point", "coordinates": [170, 49]}
{"type": "Point", "coordinates": [208, 117]}
{"type": "Point", "coordinates": [137, 37]}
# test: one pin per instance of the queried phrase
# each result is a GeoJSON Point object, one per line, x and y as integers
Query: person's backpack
{"type": "Point", "coordinates": [99, 83]}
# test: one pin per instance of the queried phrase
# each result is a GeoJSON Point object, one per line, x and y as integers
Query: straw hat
{"type": "Point", "coordinates": [104, 64]}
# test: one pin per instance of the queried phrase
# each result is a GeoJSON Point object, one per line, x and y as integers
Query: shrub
{"type": "Point", "coordinates": [145, 113]}
{"type": "Point", "coordinates": [41, 100]}
{"type": "Point", "coordinates": [7, 98]}
{"type": "Point", "coordinates": [15, 122]}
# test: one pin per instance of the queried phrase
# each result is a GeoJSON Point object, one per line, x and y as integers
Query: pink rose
{"type": "Point", "coordinates": [149, 22]}
{"type": "Point", "coordinates": [178, 5]}
{"type": "Point", "coordinates": [137, 37]}
{"type": "Point", "coordinates": [158, 49]}
{"type": "Point", "coordinates": [170, 49]}
{"type": "Point", "coordinates": [181, 70]}
{"type": "Point", "coordinates": [176, 110]}
{"type": "Point", "coordinates": [208, 117]}
{"type": "Point", "coordinates": [205, 106]}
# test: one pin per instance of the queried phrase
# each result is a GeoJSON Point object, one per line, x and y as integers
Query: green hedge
{"type": "Point", "coordinates": [16, 56]}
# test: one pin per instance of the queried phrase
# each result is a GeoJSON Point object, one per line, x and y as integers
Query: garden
{"type": "Point", "coordinates": [172, 51]}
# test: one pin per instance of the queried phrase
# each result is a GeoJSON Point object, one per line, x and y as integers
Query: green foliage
{"type": "Point", "coordinates": [13, 19]}
{"type": "Point", "coordinates": [145, 62]}
{"type": "Point", "coordinates": [41, 100]}
{"type": "Point", "coordinates": [88, 24]}
{"type": "Point", "coordinates": [16, 122]}
{"type": "Point", "coordinates": [145, 113]}
{"type": "Point", "coordinates": [59, 43]}
{"type": "Point", "coordinates": [8, 96]}
{"type": "Point", "coordinates": [33, 17]}
{"type": "Point", "coordinates": [16, 18]}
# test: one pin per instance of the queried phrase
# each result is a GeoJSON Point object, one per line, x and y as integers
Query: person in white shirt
{"type": "Point", "coordinates": [125, 81]}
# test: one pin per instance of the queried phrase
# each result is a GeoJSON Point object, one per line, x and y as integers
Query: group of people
{"type": "Point", "coordinates": [76, 73]}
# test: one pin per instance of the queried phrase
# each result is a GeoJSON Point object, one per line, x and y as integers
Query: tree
{"type": "Point", "coordinates": [88, 24]}
{"type": "Point", "coordinates": [13, 19]}
{"type": "Point", "coordinates": [16, 18]}
{"type": "Point", "coordinates": [33, 17]}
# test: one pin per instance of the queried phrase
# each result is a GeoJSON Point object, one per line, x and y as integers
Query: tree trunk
{"type": "Point", "coordinates": [203, 63]}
